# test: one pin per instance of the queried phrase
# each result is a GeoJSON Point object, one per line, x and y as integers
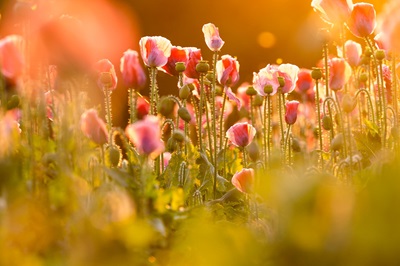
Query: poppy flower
{"type": "Point", "coordinates": [227, 71]}
{"type": "Point", "coordinates": [94, 127]}
{"type": "Point", "coordinates": [241, 134]}
{"type": "Point", "coordinates": [389, 28]}
{"type": "Point", "coordinates": [132, 72]}
{"type": "Point", "coordinates": [146, 136]}
{"type": "Point", "coordinates": [304, 81]}
{"type": "Point", "coordinates": [289, 73]}
{"type": "Point", "coordinates": [291, 112]}
{"type": "Point", "coordinates": [211, 36]}
{"type": "Point", "coordinates": [155, 50]}
{"type": "Point", "coordinates": [333, 11]}
{"type": "Point", "coordinates": [178, 54]}
{"type": "Point", "coordinates": [105, 66]}
{"type": "Point", "coordinates": [11, 57]}
{"type": "Point", "coordinates": [244, 180]}
{"type": "Point", "coordinates": [339, 73]}
{"type": "Point", "coordinates": [194, 57]}
{"type": "Point", "coordinates": [267, 76]}
{"type": "Point", "coordinates": [353, 52]}
{"type": "Point", "coordinates": [362, 21]}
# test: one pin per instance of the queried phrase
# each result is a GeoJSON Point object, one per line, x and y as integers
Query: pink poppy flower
{"type": "Point", "coordinates": [227, 71]}
{"type": "Point", "coordinates": [289, 73]}
{"type": "Point", "coordinates": [132, 72]}
{"type": "Point", "coordinates": [242, 95]}
{"type": "Point", "coordinates": [178, 54]}
{"type": "Point", "coordinates": [304, 81]}
{"type": "Point", "coordinates": [146, 136]}
{"type": "Point", "coordinates": [211, 36]}
{"type": "Point", "coordinates": [339, 73]}
{"type": "Point", "coordinates": [353, 52]}
{"type": "Point", "coordinates": [389, 36]}
{"type": "Point", "coordinates": [244, 180]}
{"type": "Point", "coordinates": [266, 76]}
{"type": "Point", "coordinates": [291, 112]}
{"type": "Point", "coordinates": [362, 21]}
{"type": "Point", "coordinates": [241, 134]}
{"type": "Point", "coordinates": [333, 11]}
{"type": "Point", "coordinates": [94, 127]}
{"type": "Point", "coordinates": [155, 50]}
{"type": "Point", "coordinates": [193, 59]}
{"type": "Point", "coordinates": [11, 57]}
{"type": "Point", "coordinates": [105, 66]}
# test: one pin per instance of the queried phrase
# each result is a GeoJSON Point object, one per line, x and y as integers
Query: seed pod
{"type": "Point", "coordinates": [202, 67]}
{"type": "Point", "coordinates": [258, 100]}
{"type": "Point", "coordinates": [268, 89]}
{"type": "Point", "coordinates": [380, 55]}
{"type": "Point", "coordinates": [251, 91]}
{"type": "Point", "coordinates": [180, 67]}
{"type": "Point", "coordinates": [316, 73]}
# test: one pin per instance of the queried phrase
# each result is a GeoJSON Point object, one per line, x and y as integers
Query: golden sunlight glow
{"type": "Point", "coordinates": [279, 61]}
{"type": "Point", "coordinates": [266, 39]}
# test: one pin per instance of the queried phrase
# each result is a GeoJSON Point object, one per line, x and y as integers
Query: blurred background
{"type": "Point", "coordinates": [257, 32]}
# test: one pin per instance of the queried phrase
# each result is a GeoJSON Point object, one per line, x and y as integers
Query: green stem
{"type": "Point", "coordinates": [383, 99]}
{"type": "Point", "coordinates": [200, 127]}
{"type": "Point", "coordinates": [107, 93]}
{"type": "Point", "coordinates": [153, 91]}
{"type": "Point", "coordinates": [317, 105]}
{"type": "Point", "coordinates": [280, 106]}
{"type": "Point", "coordinates": [221, 120]}
{"type": "Point", "coordinates": [285, 149]}
{"type": "Point", "coordinates": [132, 105]}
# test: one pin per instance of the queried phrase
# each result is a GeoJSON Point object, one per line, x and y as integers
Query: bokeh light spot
{"type": "Point", "coordinates": [266, 39]}
{"type": "Point", "coordinates": [279, 61]}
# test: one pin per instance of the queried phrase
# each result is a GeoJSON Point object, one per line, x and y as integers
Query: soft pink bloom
{"type": "Point", "coordinates": [232, 97]}
{"type": "Point", "coordinates": [353, 52]}
{"type": "Point", "coordinates": [94, 127]}
{"type": "Point", "coordinates": [178, 54]}
{"type": "Point", "coordinates": [142, 107]}
{"type": "Point", "coordinates": [380, 40]}
{"type": "Point", "coordinates": [132, 72]}
{"type": "Point", "coordinates": [291, 112]}
{"type": "Point", "coordinates": [304, 81]}
{"type": "Point", "coordinates": [266, 76]}
{"type": "Point", "coordinates": [244, 180]}
{"type": "Point", "coordinates": [194, 58]}
{"type": "Point", "coordinates": [227, 71]}
{"type": "Point", "coordinates": [362, 21]}
{"type": "Point", "coordinates": [387, 79]}
{"type": "Point", "coordinates": [155, 50]}
{"type": "Point", "coordinates": [211, 36]}
{"type": "Point", "coordinates": [146, 136]}
{"type": "Point", "coordinates": [339, 73]}
{"type": "Point", "coordinates": [389, 26]}
{"type": "Point", "coordinates": [105, 66]}
{"type": "Point", "coordinates": [289, 73]}
{"type": "Point", "coordinates": [242, 95]}
{"type": "Point", "coordinates": [241, 134]}
{"type": "Point", "coordinates": [11, 57]}
{"type": "Point", "coordinates": [333, 11]}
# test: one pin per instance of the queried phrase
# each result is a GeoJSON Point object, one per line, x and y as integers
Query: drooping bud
{"type": "Point", "coordinates": [327, 123]}
{"type": "Point", "coordinates": [348, 104]}
{"type": "Point", "coordinates": [184, 114]}
{"type": "Point", "coordinates": [166, 106]}
{"type": "Point", "coordinates": [337, 142]}
{"type": "Point", "coordinates": [184, 92]}
{"type": "Point", "coordinates": [113, 156]}
{"type": "Point", "coordinates": [178, 135]}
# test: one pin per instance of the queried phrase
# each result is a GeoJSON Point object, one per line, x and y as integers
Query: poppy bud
{"type": "Point", "coordinates": [244, 180]}
{"type": "Point", "coordinates": [291, 112]}
{"type": "Point", "coordinates": [184, 114]}
{"type": "Point", "coordinates": [327, 123]}
{"type": "Point", "coordinates": [363, 77]}
{"type": "Point", "coordinates": [166, 106]}
{"type": "Point", "coordinates": [337, 142]}
{"type": "Point", "coordinates": [113, 156]}
{"type": "Point", "coordinates": [178, 135]}
{"type": "Point", "coordinates": [13, 102]}
{"type": "Point", "coordinates": [296, 145]}
{"type": "Point", "coordinates": [172, 145]}
{"type": "Point", "coordinates": [184, 92]}
{"type": "Point", "coordinates": [348, 103]}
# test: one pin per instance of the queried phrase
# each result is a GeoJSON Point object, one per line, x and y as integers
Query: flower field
{"type": "Point", "coordinates": [294, 167]}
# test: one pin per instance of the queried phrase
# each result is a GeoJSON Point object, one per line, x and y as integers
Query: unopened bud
{"type": "Point", "coordinates": [13, 102]}
{"type": "Point", "coordinates": [296, 145]}
{"type": "Point", "coordinates": [184, 92]}
{"type": "Point", "coordinates": [327, 123]}
{"type": "Point", "coordinates": [166, 106]}
{"type": "Point", "coordinates": [114, 156]}
{"type": "Point", "coordinates": [171, 145]}
{"type": "Point", "coordinates": [178, 135]}
{"type": "Point", "coordinates": [363, 77]}
{"type": "Point", "coordinates": [337, 142]}
{"type": "Point", "coordinates": [348, 103]}
{"type": "Point", "coordinates": [219, 90]}
{"type": "Point", "coordinates": [184, 114]}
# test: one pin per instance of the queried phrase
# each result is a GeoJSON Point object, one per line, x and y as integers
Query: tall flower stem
{"type": "Point", "coordinates": [286, 147]}
{"type": "Point", "coordinates": [384, 104]}
{"type": "Point", "coordinates": [153, 91]}
{"type": "Point", "coordinates": [221, 120]}
{"type": "Point", "coordinates": [200, 121]}
{"type": "Point", "coordinates": [350, 145]}
{"type": "Point", "coordinates": [267, 130]}
{"type": "Point", "coordinates": [281, 103]}
{"type": "Point", "coordinates": [317, 106]}
{"type": "Point", "coordinates": [132, 105]}
{"type": "Point", "coordinates": [107, 94]}
{"type": "Point", "coordinates": [214, 119]}
{"type": "Point", "coordinates": [370, 105]}
{"type": "Point", "coordinates": [341, 122]}
{"type": "Point", "coordinates": [209, 135]}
